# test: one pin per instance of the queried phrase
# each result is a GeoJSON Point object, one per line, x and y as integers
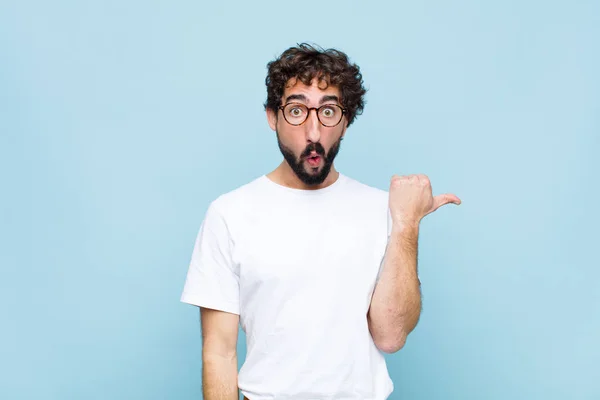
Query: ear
{"type": "Point", "coordinates": [272, 119]}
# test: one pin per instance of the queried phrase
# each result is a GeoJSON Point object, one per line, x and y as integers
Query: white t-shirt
{"type": "Point", "coordinates": [299, 267]}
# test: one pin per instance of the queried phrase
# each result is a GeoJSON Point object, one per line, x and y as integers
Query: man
{"type": "Point", "coordinates": [319, 269]}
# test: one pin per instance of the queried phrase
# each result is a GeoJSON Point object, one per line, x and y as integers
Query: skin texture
{"type": "Point", "coordinates": [396, 303]}
{"type": "Point", "coordinates": [298, 138]}
{"type": "Point", "coordinates": [219, 354]}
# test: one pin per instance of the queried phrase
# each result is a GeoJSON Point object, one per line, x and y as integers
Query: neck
{"type": "Point", "coordinates": [285, 176]}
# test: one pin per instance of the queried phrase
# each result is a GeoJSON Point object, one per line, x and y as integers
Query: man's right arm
{"type": "Point", "coordinates": [219, 354]}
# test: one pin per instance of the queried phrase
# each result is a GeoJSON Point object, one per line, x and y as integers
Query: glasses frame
{"type": "Point", "coordinates": [309, 109]}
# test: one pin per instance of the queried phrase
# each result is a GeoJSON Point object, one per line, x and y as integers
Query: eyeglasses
{"type": "Point", "coordinates": [329, 115]}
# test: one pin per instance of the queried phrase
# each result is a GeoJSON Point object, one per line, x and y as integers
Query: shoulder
{"type": "Point", "coordinates": [237, 198]}
{"type": "Point", "coordinates": [370, 202]}
{"type": "Point", "coordinates": [365, 191]}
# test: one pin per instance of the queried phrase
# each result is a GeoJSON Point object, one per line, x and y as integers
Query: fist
{"type": "Point", "coordinates": [411, 199]}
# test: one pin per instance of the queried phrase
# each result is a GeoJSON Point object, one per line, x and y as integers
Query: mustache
{"type": "Point", "coordinates": [316, 147]}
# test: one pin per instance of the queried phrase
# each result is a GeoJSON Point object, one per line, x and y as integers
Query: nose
{"type": "Point", "coordinates": [313, 127]}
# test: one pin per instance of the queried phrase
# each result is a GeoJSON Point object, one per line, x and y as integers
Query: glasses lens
{"type": "Point", "coordinates": [295, 114]}
{"type": "Point", "coordinates": [330, 114]}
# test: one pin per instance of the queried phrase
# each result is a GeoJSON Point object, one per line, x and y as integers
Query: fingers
{"type": "Point", "coordinates": [450, 198]}
{"type": "Point", "coordinates": [415, 178]}
{"type": "Point", "coordinates": [423, 181]}
{"type": "Point", "coordinates": [443, 199]}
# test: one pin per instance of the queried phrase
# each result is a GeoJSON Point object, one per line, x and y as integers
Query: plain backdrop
{"type": "Point", "coordinates": [121, 120]}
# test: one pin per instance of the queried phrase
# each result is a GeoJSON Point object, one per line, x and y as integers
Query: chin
{"type": "Point", "coordinates": [313, 170]}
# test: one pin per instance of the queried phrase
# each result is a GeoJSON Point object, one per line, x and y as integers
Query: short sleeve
{"type": "Point", "coordinates": [212, 280]}
{"type": "Point", "coordinates": [389, 232]}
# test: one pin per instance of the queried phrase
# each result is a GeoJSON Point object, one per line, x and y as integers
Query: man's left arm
{"type": "Point", "coordinates": [396, 302]}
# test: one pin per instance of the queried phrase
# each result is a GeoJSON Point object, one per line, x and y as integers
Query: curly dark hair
{"type": "Point", "coordinates": [306, 62]}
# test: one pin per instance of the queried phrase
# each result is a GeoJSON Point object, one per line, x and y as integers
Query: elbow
{"type": "Point", "coordinates": [391, 345]}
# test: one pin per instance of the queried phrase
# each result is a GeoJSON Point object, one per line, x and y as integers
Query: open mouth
{"type": "Point", "coordinates": [314, 160]}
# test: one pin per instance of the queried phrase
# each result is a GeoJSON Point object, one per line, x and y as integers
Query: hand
{"type": "Point", "coordinates": [411, 199]}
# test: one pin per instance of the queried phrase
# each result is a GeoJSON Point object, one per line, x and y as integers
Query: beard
{"type": "Point", "coordinates": [312, 176]}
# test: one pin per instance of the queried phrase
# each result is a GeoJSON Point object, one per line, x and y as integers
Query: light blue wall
{"type": "Point", "coordinates": [121, 120]}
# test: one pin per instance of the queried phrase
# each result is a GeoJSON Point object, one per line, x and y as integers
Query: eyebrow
{"type": "Point", "coordinates": [303, 98]}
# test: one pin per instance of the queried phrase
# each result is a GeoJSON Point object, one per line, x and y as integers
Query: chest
{"type": "Point", "coordinates": [300, 251]}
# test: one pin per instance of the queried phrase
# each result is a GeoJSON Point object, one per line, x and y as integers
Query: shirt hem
{"type": "Point", "coordinates": [199, 301]}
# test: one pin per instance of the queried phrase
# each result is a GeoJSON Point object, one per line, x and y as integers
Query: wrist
{"type": "Point", "coordinates": [404, 225]}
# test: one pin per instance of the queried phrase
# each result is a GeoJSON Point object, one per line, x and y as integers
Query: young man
{"type": "Point", "coordinates": [319, 269]}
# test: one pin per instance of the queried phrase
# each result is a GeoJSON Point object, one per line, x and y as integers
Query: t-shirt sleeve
{"type": "Point", "coordinates": [212, 280]}
{"type": "Point", "coordinates": [389, 232]}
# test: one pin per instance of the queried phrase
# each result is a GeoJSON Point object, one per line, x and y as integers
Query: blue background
{"type": "Point", "coordinates": [121, 121]}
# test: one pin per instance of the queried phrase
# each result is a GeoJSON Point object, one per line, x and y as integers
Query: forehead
{"type": "Point", "coordinates": [312, 92]}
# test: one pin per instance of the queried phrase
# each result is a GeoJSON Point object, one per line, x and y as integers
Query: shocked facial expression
{"type": "Point", "coordinates": [310, 125]}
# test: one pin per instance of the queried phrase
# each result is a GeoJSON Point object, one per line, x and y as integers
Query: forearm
{"type": "Point", "coordinates": [396, 302]}
{"type": "Point", "coordinates": [219, 377]}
